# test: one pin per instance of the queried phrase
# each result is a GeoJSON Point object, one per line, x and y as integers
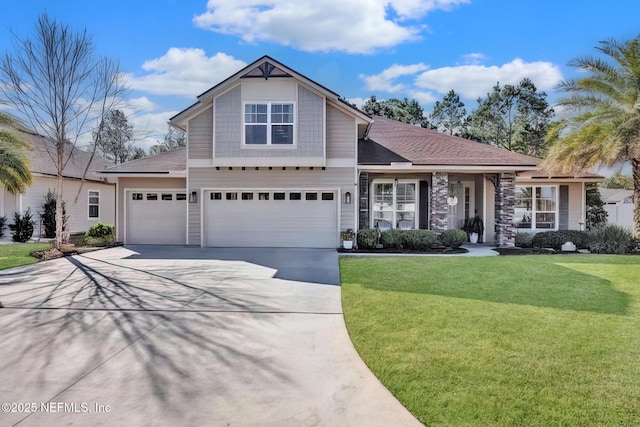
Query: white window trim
{"type": "Point", "coordinates": [416, 212]}
{"type": "Point", "coordinates": [534, 211]}
{"type": "Point", "coordinates": [89, 204]}
{"type": "Point", "coordinates": [269, 145]}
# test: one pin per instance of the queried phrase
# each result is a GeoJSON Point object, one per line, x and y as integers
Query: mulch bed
{"type": "Point", "coordinates": [403, 251]}
{"type": "Point", "coordinates": [67, 250]}
{"type": "Point", "coordinates": [529, 251]}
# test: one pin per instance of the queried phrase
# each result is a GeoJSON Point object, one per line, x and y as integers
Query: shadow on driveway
{"type": "Point", "coordinates": [297, 264]}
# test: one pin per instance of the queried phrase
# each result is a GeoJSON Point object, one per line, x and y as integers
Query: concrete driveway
{"type": "Point", "coordinates": [166, 336]}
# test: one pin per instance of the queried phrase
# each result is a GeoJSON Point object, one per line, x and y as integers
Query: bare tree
{"type": "Point", "coordinates": [61, 87]}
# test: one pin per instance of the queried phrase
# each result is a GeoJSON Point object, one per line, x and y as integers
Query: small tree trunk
{"type": "Point", "coordinates": [635, 170]}
{"type": "Point", "coordinates": [59, 218]}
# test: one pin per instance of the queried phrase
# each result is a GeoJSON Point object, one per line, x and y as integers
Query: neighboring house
{"type": "Point", "coordinates": [96, 198]}
{"type": "Point", "coordinates": [275, 159]}
{"type": "Point", "coordinates": [619, 206]}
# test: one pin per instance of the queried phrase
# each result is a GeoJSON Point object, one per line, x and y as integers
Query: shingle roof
{"type": "Point", "coordinates": [170, 161]}
{"type": "Point", "coordinates": [41, 160]}
{"type": "Point", "coordinates": [427, 147]}
{"type": "Point", "coordinates": [541, 175]}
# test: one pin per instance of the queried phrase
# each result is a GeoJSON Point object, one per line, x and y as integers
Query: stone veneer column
{"type": "Point", "coordinates": [505, 203]}
{"type": "Point", "coordinates": [439, 208]}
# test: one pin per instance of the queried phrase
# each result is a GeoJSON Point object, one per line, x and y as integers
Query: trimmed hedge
{"type": "Point", "coordinates": [453, 238]}
{"type": "Point", "coordinates": [555, 239]}
{"type": "Point", "coordinates": [413, 240]}
{"type": "Point", "coordinates": [391, 239]}
{"type": "Point", "coordinates": [367, 239]}
{"type": "Point", "coordinates": [418, 240]}
{"type": "Point", "coordinates": [524, 240]}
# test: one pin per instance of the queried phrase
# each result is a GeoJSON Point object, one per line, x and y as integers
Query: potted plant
{"type": "Point", "coordinates": [347, 239]}
{"type": "Point", "coordinates": [475, 228]}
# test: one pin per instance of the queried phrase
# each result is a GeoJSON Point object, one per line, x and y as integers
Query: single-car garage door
{"type": "Point", "coordinates": [156, 217]}
{"type": "Point", "coordinates": [271, 218]}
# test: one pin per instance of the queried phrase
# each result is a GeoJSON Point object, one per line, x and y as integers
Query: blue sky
{"type": "Point", "coordinates": [172, 50]}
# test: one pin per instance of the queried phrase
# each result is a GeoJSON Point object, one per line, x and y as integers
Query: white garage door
{"type": "Point", "coordinates": [156, 217]}
{"type": "Point", "coordinates": [276, 218]}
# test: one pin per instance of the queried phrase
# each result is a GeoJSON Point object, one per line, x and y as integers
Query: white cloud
{"type": "Point", "coordinates": [185, 72]}
{"type": "Point", "coordinates": [472, 81]}
{"type": "Point", "coordinates": [359, 102]}
{"type": "Point", "coordinates": [141, 104]}
{"type": "Point", "coordinates": [150, 128]}
{"type": "Point", "coordinates": [352, 26]}
{"type": "Point", "coordinates": [385, 81]}
{"type": "Point", "coordinates": [422, 97]}
{"type": "Point", "coordinates": [473, 58]}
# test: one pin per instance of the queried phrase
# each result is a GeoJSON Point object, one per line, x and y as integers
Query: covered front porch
{"type": "Point", "coordinates": [438, 200]}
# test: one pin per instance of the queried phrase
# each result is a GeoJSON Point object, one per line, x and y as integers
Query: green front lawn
{"type": "Point", "coordinates": [18, 254]}
{"type": "Point", "coordinates": [501, 341]}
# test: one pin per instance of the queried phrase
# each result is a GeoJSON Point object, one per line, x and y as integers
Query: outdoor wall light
{"type": "Point", "coordinates": [347, 198]}
{"type": "Point", "coordinates": [193, 197]}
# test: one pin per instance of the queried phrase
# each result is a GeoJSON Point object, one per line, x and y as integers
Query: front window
{"type": "Point", "coordinates": [536, 207]}
{"type": "Point", "coordinates": [94, 204]}
{"type": "Point", "coordinates": [268, 124]}
{"type": "Point", "coordinates": [394, 205]}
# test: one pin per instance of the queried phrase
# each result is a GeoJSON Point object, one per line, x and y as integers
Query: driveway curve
{"type": "Point", "coordinates": [165, 336]}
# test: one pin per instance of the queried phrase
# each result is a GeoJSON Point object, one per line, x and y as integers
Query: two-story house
{"type": "Point", "coordinates": [274, 159]}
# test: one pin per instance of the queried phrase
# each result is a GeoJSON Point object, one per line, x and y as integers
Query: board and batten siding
{"type": "Point", "coordinates": [141, 183]}
{"type": "Point", "coordinates": [201, 135]}
{"type": "Point", "coordinates": [341, 134]}
{"type": "Point", "coordinates": [310, 124]}
{"type": "Point", "coordinates": [341, 179]}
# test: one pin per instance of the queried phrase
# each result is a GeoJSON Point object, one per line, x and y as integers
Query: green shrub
{"type": "Point", "coordinates": [22, 226]}
{"type": "Point", "coordinates": [612, 239]}
{"type": "Point", "coordinates": [418, 240]}
{"type": "Point", "coordinates": [367, 239]}
{"type": "Point", "coordinates": [48, 215]}
{"type": "Point", "coordinates": [100, 230]}
{"type": "Point", "coordinates": [3, 221]}
{"type": "Point", "coordinates": [524, 240]}
{"type": "Point", "coordinates": [453, 238]}
{"type": "Point", "coordinates": [555, 239]}
{"type": "Point", "coordinates": [391, 239]}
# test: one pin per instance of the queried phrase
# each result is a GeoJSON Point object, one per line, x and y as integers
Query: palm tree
{"type": "Point", "coordinates": [605, 129]}
{"type": "Point", "coordinates": [15, 173]}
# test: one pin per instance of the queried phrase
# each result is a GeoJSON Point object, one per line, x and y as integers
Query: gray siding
{"type": "Point", "coordinates": [341, 134]}
{"type": "Point", "coordinates": [331, 178]}
{"type": "Point", "coordinates": [228, 128]}
{"type": "Point", "coordinates": [228, 125]}
{"type": "Point", "coordinates": [201, 136]}
{"type": "Point", "coordinates": [310, 124]}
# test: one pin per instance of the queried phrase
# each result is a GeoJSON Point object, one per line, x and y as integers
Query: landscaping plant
{"type": "Point", "coordinates": [453, 238]}
{"type": "Point", "coordinates": [23, 226]}
{"type": "Point", "coordinates": [612, 239]}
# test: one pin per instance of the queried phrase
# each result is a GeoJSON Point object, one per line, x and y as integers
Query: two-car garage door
{"type": "Point", "coordinates": [270, 218]}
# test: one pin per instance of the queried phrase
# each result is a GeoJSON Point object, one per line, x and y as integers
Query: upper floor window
{"type": "Point", "coordinates": [268, 124]}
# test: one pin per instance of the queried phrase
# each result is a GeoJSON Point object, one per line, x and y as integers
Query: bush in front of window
{"type": "Point", "coordinates": [418, 240]}
{"type": "Point", "coordinates": [100, 235]}
{"type": "Point", "coordinates": [391, 239]}
{"type": "Point", "coordinates": [524, 240]}
{"type": "Point", "coordinates": [612, 239]}
{"type": "Point", "coordinates": [453, 238]}
{"type": "Point", "coordinates": [367, 239]}
{"type": "Point", "coordinates": [22, 226]}
{"type": "Point", "coordinates": [555, 239]}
